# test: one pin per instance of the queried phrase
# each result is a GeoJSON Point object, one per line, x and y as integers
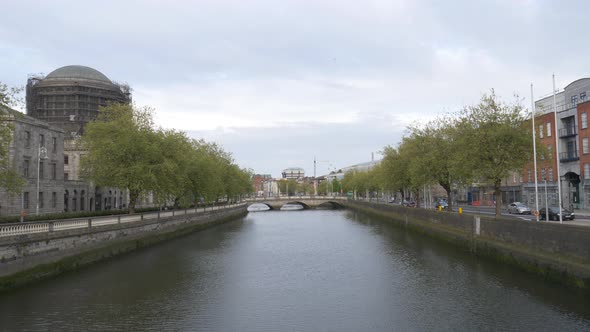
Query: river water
{"type": "Point", "coordinates": [322, 270]}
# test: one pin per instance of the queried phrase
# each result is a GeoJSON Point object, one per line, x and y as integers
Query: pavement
{"type": "Point", "coordinates": [582, 215]}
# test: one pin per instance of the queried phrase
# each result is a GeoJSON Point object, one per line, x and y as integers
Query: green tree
{"type": "Point", "coordinates": [336, 185]}
{"type": "Point", "coordinates": [124, 151]}
{"type": "Point", "coordinates": [323, 187]}
{"type": "Point", "coordinates": [288, 187]}
{"type": "Point", "coordinates": [10, 179]}
{"type": "Point", "coordinates": [395, 170]}
{"type": "Point", "coordinates": [172, 169]}
{"type": "Point", "coordinates": [436, 156]}
{"type": "Point", "coordinates": [495, 140]}
{"type": "Point", "coordinates": [205, 173]}
{"type": "Point", "coordinates": [305, 188]}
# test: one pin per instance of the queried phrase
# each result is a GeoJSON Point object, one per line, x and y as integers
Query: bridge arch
{"type": "Point", "coordinates": [330, 205]}
{"type": "Point", "coordinates": [305, 206]}
{"type": "Point", "coordinates": [270, 207]}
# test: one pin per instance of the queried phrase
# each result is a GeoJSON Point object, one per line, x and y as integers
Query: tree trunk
{"type": "Point", "coordinates": [133, 195]}
{"type": "Point", "coordinates": [449, 196]}
{"type": "Point", "coordinates": [417, 193]}
{"type": "Point", "coordinates": [498, 194]}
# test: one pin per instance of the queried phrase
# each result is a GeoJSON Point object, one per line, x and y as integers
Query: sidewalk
{"type": "Point", "coordinates": [585, 213]}
{"type": "Point", "coordinates": [582, 212]}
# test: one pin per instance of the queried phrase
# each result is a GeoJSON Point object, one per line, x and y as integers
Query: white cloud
{"type": "Point", "coordinates": [353, 74]}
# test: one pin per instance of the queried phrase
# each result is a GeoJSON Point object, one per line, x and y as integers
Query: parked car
{"type": "Point", "coordinates": [519, 208]}
{"type": "Point", "coordinates": [442, 203]}
{"type": "Point", "coordinates": [554, 213]}
{"type": "Point", "coordinates": [409, 203]}
{"type": "Point", "coordinates": [391, 200]}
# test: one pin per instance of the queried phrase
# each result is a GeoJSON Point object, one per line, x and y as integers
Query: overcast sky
{"type": "Point", "coordinates": [279, 82]}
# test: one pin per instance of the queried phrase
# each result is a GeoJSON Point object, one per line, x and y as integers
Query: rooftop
{"type": "Point", "coordinates": [76, 72]}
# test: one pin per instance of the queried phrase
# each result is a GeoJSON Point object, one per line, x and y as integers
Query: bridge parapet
{"type": "Point", "coordinates": [309, 201]}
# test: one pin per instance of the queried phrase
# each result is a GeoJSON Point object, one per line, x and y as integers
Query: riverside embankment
{"type": "Point", "coordinates": [34, 251]}
{"type": "Point", "coordinates": [556, 252]}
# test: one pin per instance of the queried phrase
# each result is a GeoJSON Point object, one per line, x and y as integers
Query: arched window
{"type": "Point", "coordinates": [66, 199]}
{"type": "Point", "coordinates": [75, 201]}
{"type": "Point", "coordinates": [82, 200]}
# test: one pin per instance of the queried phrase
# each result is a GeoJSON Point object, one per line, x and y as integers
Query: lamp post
{"type": "Point", "coordinates": [42, 153]}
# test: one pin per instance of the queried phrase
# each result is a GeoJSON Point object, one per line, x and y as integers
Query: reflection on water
{"type": "Point", "coordinates": [291, 207]}
{"type": "Point", "coordinates": [258, 207]}
{"type": "Point", "coordinates": [307, 271]}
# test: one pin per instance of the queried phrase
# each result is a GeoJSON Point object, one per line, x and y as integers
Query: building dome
{"type": "Point", "coordinates": [75, 73]}
{"type": "Point", "coordinates": [69, 97]}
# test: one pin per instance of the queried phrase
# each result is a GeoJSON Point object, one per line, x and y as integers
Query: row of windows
{"type": "Point", "coordinates": [26, 170]}
{"type": "Point", "coordinates": [548, 126]}
{"type": "Point", "coordinates": [41, 141]}
{"type": "Point", "coordinates": [574, 99]}
{"type": "Point", "coordinates": [52, 203]}
{"type": "Point", "coordinates": [546, 174]}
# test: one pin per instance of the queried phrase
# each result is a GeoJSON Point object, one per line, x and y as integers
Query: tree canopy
{"type": "Point", "coordinates": [126, 150]}
{"type": "Point", "coordinates": [10, 179]}
{"type": "Point", "coordinates": [484, 143]}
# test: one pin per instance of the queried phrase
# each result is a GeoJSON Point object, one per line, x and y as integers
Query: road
{"type": "Point", "coordinates": [583, 220]}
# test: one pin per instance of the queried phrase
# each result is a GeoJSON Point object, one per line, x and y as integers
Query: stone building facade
{"type": "Point", "coordinates": [69, 97]}
{"type": "Point", "coordinates": [36, 152]}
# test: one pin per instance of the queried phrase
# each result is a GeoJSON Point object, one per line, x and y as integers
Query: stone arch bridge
{"type": "Point", "coordinates": [308, 202]}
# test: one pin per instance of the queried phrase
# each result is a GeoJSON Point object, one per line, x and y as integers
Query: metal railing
{"type": "Point", "coordinates": [568, 156]}
{"type": "Point", "coordinates": [280, 198]}
{"type": "Point", "coordinates": [567, 132]}
{"type": "Point", "coordinates": [62, 225]}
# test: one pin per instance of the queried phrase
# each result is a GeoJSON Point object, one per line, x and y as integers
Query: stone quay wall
{"type": "Point", "coordinates": [30, 257]}
{"type": "Point", "coordinates": [556, 252]}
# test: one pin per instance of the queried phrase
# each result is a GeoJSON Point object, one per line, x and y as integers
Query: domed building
{"type": "Point", "coordinates": [70, 96]}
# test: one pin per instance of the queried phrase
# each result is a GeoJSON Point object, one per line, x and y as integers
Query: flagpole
{"type": "Point", "coordinates": [535, 153]}
{"type": "Point", "coordinates": [557, 153]}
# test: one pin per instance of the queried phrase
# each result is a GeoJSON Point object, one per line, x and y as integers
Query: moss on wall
{"type": "Point", "coordinates": [554, 267]}
{"type": "Point", "coordinates": [110, 249]}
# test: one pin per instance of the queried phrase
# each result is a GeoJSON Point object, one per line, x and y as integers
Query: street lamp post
{"type": "Point", "coordinates": [42, 153]}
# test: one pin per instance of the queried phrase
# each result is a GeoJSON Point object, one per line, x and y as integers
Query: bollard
{"type": "Point", "coordinates": [460, 210]}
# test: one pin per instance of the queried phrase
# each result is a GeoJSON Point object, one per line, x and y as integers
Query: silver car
{"type": "Point", "coordinates": [519, 208]}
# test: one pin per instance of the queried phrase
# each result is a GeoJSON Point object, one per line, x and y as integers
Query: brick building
{"type": "Point", "coordinates": [572, 134]}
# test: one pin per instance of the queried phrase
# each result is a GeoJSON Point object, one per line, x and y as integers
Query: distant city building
{"type": "Point", "coordinates": [258, 181]}
{"type": "Point", "coordinates": [293, 173]}
{"type": "Point", "coordinates": [361, 167]}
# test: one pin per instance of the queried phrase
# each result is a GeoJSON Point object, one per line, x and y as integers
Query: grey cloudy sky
{"type": "Point", "coordinates": [279, 82]}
